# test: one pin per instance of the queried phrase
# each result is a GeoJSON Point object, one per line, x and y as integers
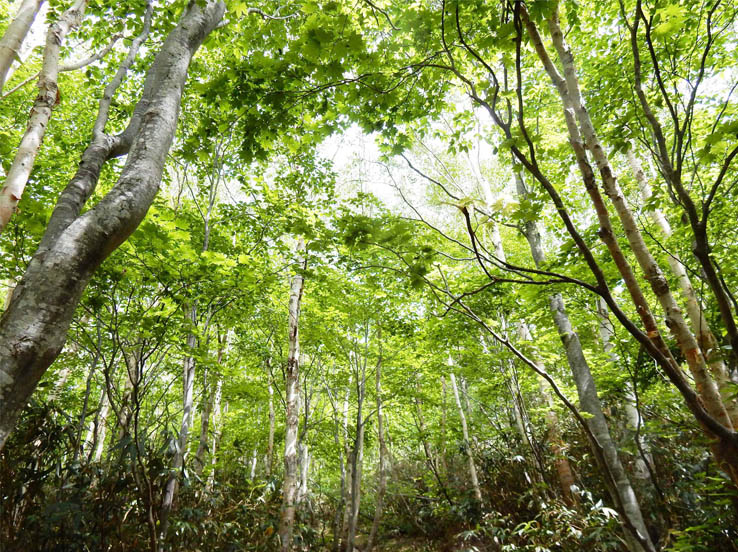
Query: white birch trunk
{"type": "Point", "coordinates": [270, 438]}
{"type": "Point", "coordinates": [589, 399]}
{"type": "Point", "coordinates": [700, 328]}
{"type": "Point", "coordinates": [46, 101]}
{"type": "Point", "coordinates": [706, 386]}
{"type": "Point", "coordinates": [292, 398]}
{"type": "Point", "coordinates": [382, 468]}
{"type": "Point", "coordinates": [15, 34]}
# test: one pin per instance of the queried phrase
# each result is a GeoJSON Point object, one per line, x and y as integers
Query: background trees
{"type": "Point", "coordinates": [488, 357]}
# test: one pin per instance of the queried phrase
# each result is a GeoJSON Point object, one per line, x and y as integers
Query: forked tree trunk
{"type": "Point", "coordinates": [572, 100]}
{"type": "Point", "coordinates": [706, 404]}
{"type": "Point", "coordinates": [700, 328]}
{"type": "Point", "coordinates": [33, 329]}
{"type": "Point", "coordinates": [15, 34]}
{"type": "Point", "coordinates": [292, 400]}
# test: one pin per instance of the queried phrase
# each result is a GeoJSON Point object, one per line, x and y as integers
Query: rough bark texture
{"type": "Point", "coordinates": [33, 328]}
{"type": "Point", "coordinates": [705, 404]}
{"type": "Point", "coordinates": [700, 328]}
{"type": "Point", "coordinates": [15, 34]}
{"type": "Point", "coordinates": [673, 175]}
{"type": "Point", "coordinates": [292, 399]}
{"type": "Point", "coordinates": [47, 99]}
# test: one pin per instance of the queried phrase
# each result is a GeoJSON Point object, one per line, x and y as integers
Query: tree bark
{"type": "Point", "coordinates": [632, 414]}
{"type": "Point", "coordinates": [700, 328]}
{"type": "Point", "coordinates": [292, 398]}
{"type": "Point", "coordinates": [48, 98]}
{"type": "Point", "coordinates": [270, 438]}
{"type": "Point", "coordinates": [14, 35]}
{"type": "Point", "coordinates": [33, 328]}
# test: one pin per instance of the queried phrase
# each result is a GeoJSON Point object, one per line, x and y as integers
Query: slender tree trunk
{"type": "Point", "coordinates": [342, 513]}
{"type": "Point", "coordinates": [564, 473]}
{"type": "Point", "coordinates": [172, 484]}
{"type": "Point", "coordinates": [100, 428]}
{"type": "Point", "coordinates": [444, 415]}
{"type": "Point", "coordinates": [633, 416]}
{"type": "Point", "coordinates": [270, 438]}
{"type": "Point", "coordinates": [34, 327]}
{"type": "Point", "coordinates": [217, 431]}
{"type": "Point", "coordinates": [698, 221]}
{"type": "Point", "coordinates": [207, 410]}
{"type": "Point", "coordinates": [700, 328]}
{"type": "Point", "coordinates": [15, 34]}
{"type": "Point", "coordinates": [382, 468]}
{"type": "Point", "coordinates": [357, 455]}
{"type": "Point", "coordinates": [292, 398]}
{"type": "Point", "coordinates": [467, 442]}
{"type": "Point", "coordinates": [572, 100]}
{"type": "Point", "coordinates": [587, 389]}
{"type": "Point", "coordinates": [48, 98]}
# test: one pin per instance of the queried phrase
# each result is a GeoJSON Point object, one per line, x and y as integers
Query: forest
{"type": "Point", "coordinates": [369, 275]}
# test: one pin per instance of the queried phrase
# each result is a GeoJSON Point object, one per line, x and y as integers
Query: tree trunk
{"type": "Point", "coordinates": [188, 384]}
{"type": "Point", "coordinates": [633, 416]}
{"type": "Point", "coordinates": [34, 327]}
{"type": "Point", "coordinates": [467, 442]}
{"type": "Point", "coordinates": [292, 398]}
{"type": "Point", "coordinates": [700, 328]}
{"type": "Point", "coordinates": [572, 100]}
{"type": "Point", "coordinates": [48, 98]}
{"type": "Point", "coordinates": [207, 410]}
{"type": "Point", "coordinates": [100, 428]}
{"type": "Point", "coordinates": [564, 473]}
{"type": "Point", "coordinates": [586, 388]}
{"type": "Point", "coordinates": [217, 431]}
{"type": "Point", "coordinates": [357, 455]}
{"type": "Point", "coordinates": [382, 471]}
{"type": "Point", "coordinates": [270, 439]}
{"type": "Point", "coordinates": [14, 35]}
